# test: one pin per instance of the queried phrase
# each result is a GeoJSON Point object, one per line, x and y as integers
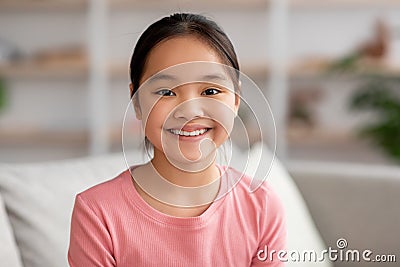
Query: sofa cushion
{"type": "Point", "coordinates": [39, 198]}
{"type": "Point", "coordinates": [9, 254]}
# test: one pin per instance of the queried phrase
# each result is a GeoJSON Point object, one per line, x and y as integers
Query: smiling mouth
{"type": "Point", "coordinates": [187, 133]}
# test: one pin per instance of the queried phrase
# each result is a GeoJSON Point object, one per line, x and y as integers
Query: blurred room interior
{"type": "Point", "coordinates": [64, 73]}
{"type": "Point", "coordinates": [330, 70]}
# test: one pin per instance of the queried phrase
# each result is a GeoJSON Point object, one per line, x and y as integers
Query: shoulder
{"type": "Point", "coordinates": [106, 192]}
{"type": "Point", "coordinates": [261, 209]}
{"type": "Point", "coordinates": [264, 199]}
{"type": "Point", "coordinates": [265, 207]}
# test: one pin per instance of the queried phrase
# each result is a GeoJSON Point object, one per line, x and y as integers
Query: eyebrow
{"type": "Point", "coordinates": [158, 77]}
{"type": "Point", "coordinates": [168, 77]}
{"type": "Point", "coordinates": [214, 77]}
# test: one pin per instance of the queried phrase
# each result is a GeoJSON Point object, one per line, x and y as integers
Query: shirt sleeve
{"type": "Point", "coordinates": [90, 241]}
{"type": "Point", "coordinates": [272, 247]}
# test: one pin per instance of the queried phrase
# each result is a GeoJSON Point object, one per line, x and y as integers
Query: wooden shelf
{"type": "Point", "coordinates": [320, 67]}
{"type": "Point", "coordinates": [36, 136]}
{"type": "Point", "coordinates": [18, 136]}
{"type": "Point", "coordinates": [345, 4]}
{"type": "Point", "coordinates": [53, 70]}
{"type": "Point", "coordinates": [42, 5]}
{"type": "Point", "coordinates": [74, 69]}
{"type": "Point", "coordinates": [254, 70]}
{"type": "Point", "coordinates": [188, 4]}
{"type": "Point", "coordinates": [78, 69]}
{"type": "Point", "coordinates": [82, 5]}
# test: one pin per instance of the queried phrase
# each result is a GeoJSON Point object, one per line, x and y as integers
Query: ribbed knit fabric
{"type": "Point", "coordinates": [113, 226]}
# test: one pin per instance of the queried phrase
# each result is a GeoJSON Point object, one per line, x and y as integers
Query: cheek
{"type": "Point", "coordinates": [152, 129]}
{"type": "Point", "coordinates": [220, 135]}
{"type": "Point", "coordinates": [156, 116]}
{"type": "Point", "coordinates": [223, 113]}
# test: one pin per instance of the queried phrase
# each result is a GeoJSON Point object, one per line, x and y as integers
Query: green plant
{"type": "Point", "coordinates": [345, 64]}
{"type": "Point", "coordinates": [377, 93]}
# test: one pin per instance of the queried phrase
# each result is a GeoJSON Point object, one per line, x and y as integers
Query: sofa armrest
{"type": "Point", "coordinates": [359, 203]}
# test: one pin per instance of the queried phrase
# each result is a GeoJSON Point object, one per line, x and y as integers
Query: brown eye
{"type": "Point", "coordinates": [165, 92]}
{"type": "Point", "coordinates": [211, 91]}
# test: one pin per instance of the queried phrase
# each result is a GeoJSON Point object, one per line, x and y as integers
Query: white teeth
{"type": "Point", "coordinates": [185, 133]}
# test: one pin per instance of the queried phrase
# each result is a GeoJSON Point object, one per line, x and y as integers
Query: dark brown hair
{"type": "Point", "coordinates": [180, 24]}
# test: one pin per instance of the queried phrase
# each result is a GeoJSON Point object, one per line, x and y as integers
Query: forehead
{"type": "Point", "coordinates": [178, 50]}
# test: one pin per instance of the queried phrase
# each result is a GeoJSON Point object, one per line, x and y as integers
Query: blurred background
{"type": "Point", "coordinates": [330, 69]}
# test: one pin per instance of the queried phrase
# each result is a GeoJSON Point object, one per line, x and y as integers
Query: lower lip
{"type": "Point", "coordinates": [191, 138]}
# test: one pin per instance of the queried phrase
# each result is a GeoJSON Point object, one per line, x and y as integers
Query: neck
{"type": "Point", "coordinates": [181, 177]}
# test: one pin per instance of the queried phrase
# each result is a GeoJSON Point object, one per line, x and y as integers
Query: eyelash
{"type": "Point", "coordinates": [216, 91]}
{"type": "Point", "coordinates": [168, 92]}
{"type": "Point", "coordinates": [164, 92]}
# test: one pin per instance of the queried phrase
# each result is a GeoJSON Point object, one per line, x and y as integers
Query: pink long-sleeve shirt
{"type": "Point", "coordinates": [113, 226]}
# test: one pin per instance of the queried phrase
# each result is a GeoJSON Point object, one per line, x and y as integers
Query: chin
{"type": "Point", "coordinates": [192, 162]}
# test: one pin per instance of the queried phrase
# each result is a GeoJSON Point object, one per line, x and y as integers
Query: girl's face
{"type": "Point", "coordinates": [185, 116]}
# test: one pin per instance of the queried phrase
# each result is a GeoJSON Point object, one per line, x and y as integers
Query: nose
{"type": "Point", "coordinates": [190, 109]}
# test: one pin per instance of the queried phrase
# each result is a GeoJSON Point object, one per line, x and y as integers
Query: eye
{"type": "Point", "coordinates": [165, 92]}
{"type": "Point", "coordinates": [211, 91]}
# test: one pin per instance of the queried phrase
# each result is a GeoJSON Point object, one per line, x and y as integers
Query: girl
{"type": "Point", "coordinates": [180, 208]}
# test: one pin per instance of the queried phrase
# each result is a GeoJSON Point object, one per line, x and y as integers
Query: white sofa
{"type": "Point", "coordinates": [36, 202]}
{"type": "Point", "coordinates": [357, 202]}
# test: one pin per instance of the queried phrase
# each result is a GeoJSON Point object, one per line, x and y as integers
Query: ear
{"type": "Point", "coordinates": [135, 102]}
{"type": "Point", "coordinates": [130, 89]}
